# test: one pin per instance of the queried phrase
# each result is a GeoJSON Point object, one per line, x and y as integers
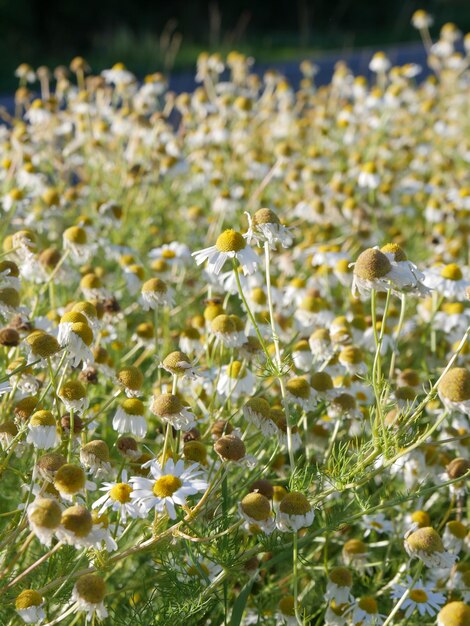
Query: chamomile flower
{"type": "Point", "coordinates": [295, 512]}
{"type": "Point", "coordinates": [229, 245]}
{"type": "Point", "coordinates": [44, 518]}
{"type": "Point", "coordinates": [131, 379]}
{"type": "Point", "coordinates": [88, 595]}
{"type": "Point", "coordinates": [256, 510]}
{"type": "Point", "coordinates": [338, 588]}
{"type": "Point", "coordinates": [426, 545]}
{"type": "Point", "coordinates": [73, 395]}
{"type": "Point", "coordinates": [171, 410]}
{"type": "Point", "coordinates": [235, 380]}
{"type": "Point", "coordinates": [156, 292]}
{"type": "Point", "coordinates": [170, 485]}
{"type": "Point", "coordinates": [454, 390]}
{"type": "Point", "coordinates": [447, 280]}
{"type": "Point", "coordinates": [117, 497]}
{"type": "Point", "coordinates": [70, 480]}
{"type": "Point", "coordinates": [43, 430]}
{"type": "Point", "coordinates": [421, 598]}
{"type": "Point", "coordinates": [377, 523]}
{"type": "Point", "coordinates": [365, 612]}
{"type": "Point", "coordinates": [178, 363]}
{"type": "Point", "coordinates": [29, 605]}
{"type": "Point", "coordinates": [130, 418]}
{"type": "Point", "coordinates": [266, 226]}
{"type": "Point", "coordinates": [75, 240]}
{"type": "Point", "coordinates": [257, 412]}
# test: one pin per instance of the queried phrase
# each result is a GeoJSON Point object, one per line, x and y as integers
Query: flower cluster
{"type": "Point", "coordinates": [234, 358]}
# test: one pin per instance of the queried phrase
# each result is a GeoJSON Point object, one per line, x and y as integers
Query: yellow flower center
{"type": "Point", "coordinates": [452, 272]}
{"type": "Point", "coordinates": [418, 595]}
{"type": "Point", "coordinates": [166, 486]}
{"type": "Point", "coordinates": [121, 493]}
{"type": "Point", "coordinates": [230, 241]}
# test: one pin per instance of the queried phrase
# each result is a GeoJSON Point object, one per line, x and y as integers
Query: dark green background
{"type": "Point", "coordinates": [105, 31]}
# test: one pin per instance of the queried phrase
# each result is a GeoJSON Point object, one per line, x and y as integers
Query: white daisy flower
{"type": "Point", "coordinates": [43, 430]}
{"type": "Point", "coordinates": [236, 380]}
{"type": "Point", "coordinates": [338, 588]}
{"type": "Point", "coordinates": [129, 418]}
{"type": "Point", "coordinates": [421, 598]}
{"type": "Point", "coordinates": [170, 486]}
{"type": "Point", "coordinates": [117, 497]}
{"type": "Point", "coordinates": [229, 245]}
{"type": "Point", "coordinates": [447, 281]}
{"type": "Point", "coordinates": [365, 612]}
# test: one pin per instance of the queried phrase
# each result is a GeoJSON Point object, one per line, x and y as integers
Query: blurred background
{"type": "Point", "coordinates": [154, 35]}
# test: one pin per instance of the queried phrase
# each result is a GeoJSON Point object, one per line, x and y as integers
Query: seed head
{"type": "Point", "coordinates": [455, 385]}
{"type": "Point", "coordinates": [91, 588]}
{"type": "Point", "coordinates": [425, 540]}
{"type": "Point", "coordinates": [42, 344]}
{"type": "Point", "coordinates": [195, 451]}
{"type": "Point", "coordinates": [223, 324]}
{"type": "Point", "coordinates": [97, 448]}
{"type": "Point", "coordinates": [76, 235]}
{"type": "Point", "coordinates": [295, 503]}
{"type": "Point", "coordinates": [42, 418]}
{"type": "Point", "coordinates": [131, 377]}
{"type": "Point", "coordinates": [372, 264]}
{"type": "Point", "coordinates": [368, 604]}
{"type": "Point", "coordinates": [264, 487]}
{"type": "Point", "coordinates": [341, 576]}
{"type": "Point", "coordinates": [24, 408]}
{"type": "Point", "coordinates": [220, 428]}
{"type": "Point", "coordinates": [9, 337]}
{"type": "Point", "coordinates": [28, 598]}
{"type": "Point", "coordinates": [230, 448]}
{"type": "Point", "coordinates": [126, 445]}
{"type": "Point", "coordinates": [354, 547]}
{"type": "Point", "coordinates": [265, 216]}
{"type": "Point", "coordinates": [155, 285]}
{"type": "Point", "coordinates": [258, 406]}
{"type": "Point", "coordinates": [78, 520]}
{"type": "Point", "coordinates": [287, 606]}
{"type": "Point", "coordinates": [48, 464]}
{"type": "Point", "coordinates": [166, 404]}
{"type": "Point", "coordinates": [46, 513]}
{"type": "Point", "coordinates": [69, 479]}
{"type": "Point", "coordinates": [352, 355]}
{"type": "Point", "coordinates": [299, 388]}
{"type": "Point", "coordinates": [321, 381]}
{"type": "Point", "coordinates": [256, 506]}
{"type": "Point", "coordinates": [457, 468]}
{"type": "Point", "coordinates": [173, 361]}
{"type": "Point", "coordinates": [72, 390]}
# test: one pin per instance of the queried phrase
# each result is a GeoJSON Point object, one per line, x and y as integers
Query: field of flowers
{"type": "Point", "coordinates": [235, 367]}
